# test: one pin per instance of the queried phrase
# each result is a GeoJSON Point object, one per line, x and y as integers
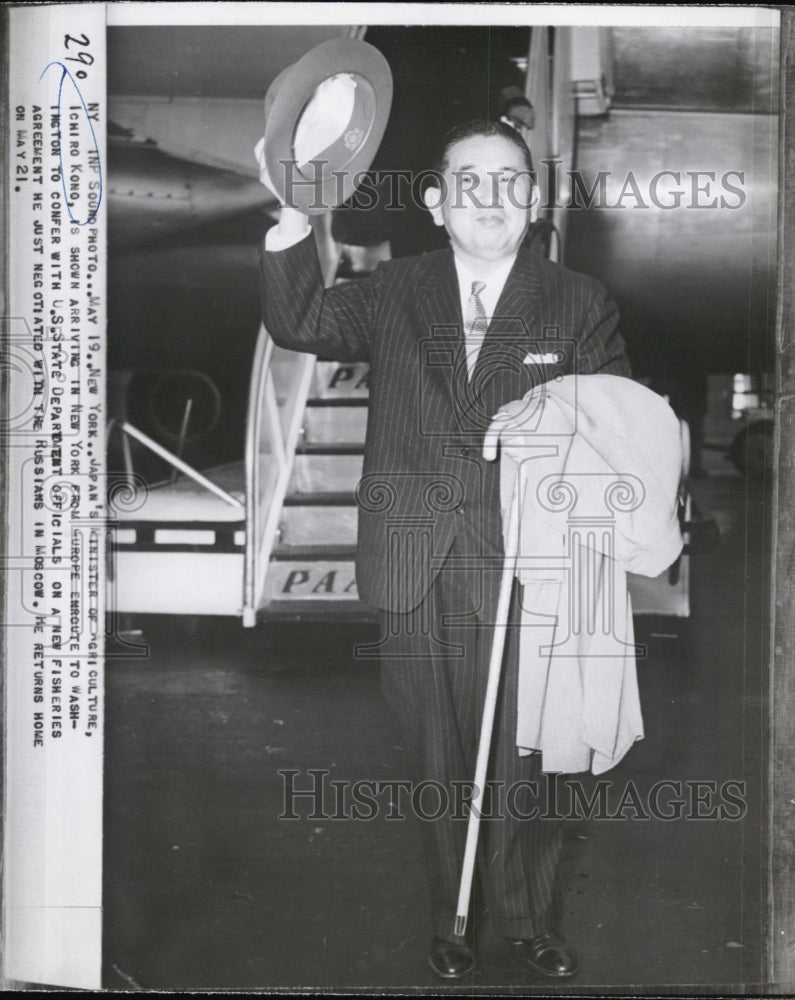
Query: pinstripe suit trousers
{"type": "Point", "coordinates": [436, 694]}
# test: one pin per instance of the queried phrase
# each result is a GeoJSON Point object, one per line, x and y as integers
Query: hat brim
{"type": "Point", "coordinates": [332, 176]}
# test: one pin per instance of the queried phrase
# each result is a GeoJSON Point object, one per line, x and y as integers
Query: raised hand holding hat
{"type": "Point", "coordinates": [324, 119]}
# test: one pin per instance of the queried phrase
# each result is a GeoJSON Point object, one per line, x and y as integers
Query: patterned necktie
{"type": "Point", "coordinates": [475, 325]}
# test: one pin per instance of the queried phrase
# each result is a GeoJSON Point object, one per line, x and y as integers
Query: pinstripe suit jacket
{"type": "Point", "coordinates": [426, 493]}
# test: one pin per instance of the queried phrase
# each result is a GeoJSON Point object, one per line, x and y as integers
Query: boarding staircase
{"type": "Point", "coordinates": [271, 536]}
{"type": "Point", "coordinates": [311, 566]}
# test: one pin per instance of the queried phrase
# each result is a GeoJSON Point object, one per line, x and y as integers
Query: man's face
{"type": "Point", "coordinates": [486, 205]}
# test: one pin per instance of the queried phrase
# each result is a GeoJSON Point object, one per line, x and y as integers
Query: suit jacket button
{"type": "Point", "coordinates": [464, 451]}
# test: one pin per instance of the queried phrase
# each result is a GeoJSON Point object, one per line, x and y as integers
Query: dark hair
{"type": "Point", "coordinates": [478, 127]}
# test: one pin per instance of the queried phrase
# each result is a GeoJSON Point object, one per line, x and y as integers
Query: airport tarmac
{"type": "Point", "coordinates": [208, 887]}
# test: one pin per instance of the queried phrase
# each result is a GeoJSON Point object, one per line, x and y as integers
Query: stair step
{"type": "Point", "coordinates": [317, 448]}
{"type": "Point", "coordinates": [317, 473]}
{"type": "Point", "coordinates": [341, 498]}
{"type": "Point", "coordinates": [343, 424]}
{"type": "Point", "coordinates": [311, 580]}
{"type": "Point", "coordinates": [314, 553]}
{"type": "Point", "coordinates": [317, 611]}
{"type": "Point", "coordinates": [318, 525]}
{"type": "Point", "coordinates": [332, 402]}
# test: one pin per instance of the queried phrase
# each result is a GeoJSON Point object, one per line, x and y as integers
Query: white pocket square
{"type": "Point", "coordinates": [552, 358]}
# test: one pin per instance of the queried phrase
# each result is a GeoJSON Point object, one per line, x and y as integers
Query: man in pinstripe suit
{"type": "Point", "coordinates": [451, 337]}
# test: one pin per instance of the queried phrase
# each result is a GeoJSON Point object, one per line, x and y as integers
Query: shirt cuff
{"type": "Point", "coordinates": [275, 240]}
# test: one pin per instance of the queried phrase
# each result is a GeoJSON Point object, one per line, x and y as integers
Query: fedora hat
{"type": "Point", "coordinates": [325, 117]}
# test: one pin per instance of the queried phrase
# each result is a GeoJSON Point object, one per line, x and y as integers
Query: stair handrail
{"type": "Point", "coordinates": [260, 370]}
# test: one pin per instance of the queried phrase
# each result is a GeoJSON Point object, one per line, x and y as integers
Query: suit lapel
{"type": "Point", "coordinates": [441, 326]}
{"type": "Point", "coordinates": [501, 373]}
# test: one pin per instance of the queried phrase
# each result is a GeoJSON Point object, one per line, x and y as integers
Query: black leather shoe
{"type": "Point", "coordinates": [549, 955]}
{"type": "Point", "coordinates": [450, 961]}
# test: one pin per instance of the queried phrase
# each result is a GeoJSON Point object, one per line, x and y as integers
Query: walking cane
{"type": "Point", "coordinates": [489, 706]}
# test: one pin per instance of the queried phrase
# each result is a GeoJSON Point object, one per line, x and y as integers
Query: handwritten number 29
{"type": "Point", "coordinates": [85, 58]}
